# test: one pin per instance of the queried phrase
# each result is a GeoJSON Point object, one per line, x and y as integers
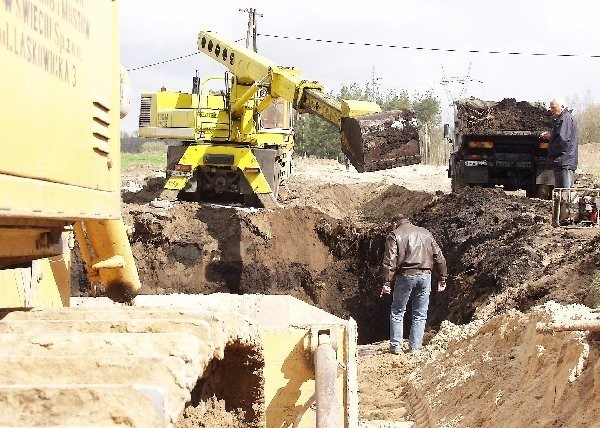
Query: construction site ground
{"type": "Point", "coordinates": [484, 364]}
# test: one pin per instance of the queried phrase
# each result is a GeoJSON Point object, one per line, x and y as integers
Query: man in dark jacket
{"type": "Point", "coordinates": [563, 150]}
{"type": "Point", "coordinates": [410, 255]}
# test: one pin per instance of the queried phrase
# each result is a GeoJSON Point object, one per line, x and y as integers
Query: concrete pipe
{"type": "Point", "coordinates": [326, 364]}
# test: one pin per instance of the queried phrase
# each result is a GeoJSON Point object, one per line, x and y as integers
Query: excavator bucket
{"type": "Point", "coordinates": [381, 140]}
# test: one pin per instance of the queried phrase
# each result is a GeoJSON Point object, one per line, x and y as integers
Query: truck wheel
{"type": "Point", "coordinates": [542, 191]}
{"type": "Point", "coordinates": [457, 182]}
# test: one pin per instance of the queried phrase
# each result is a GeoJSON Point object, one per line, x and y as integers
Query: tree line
{"type": "Point", "coordinates": [587, 114]}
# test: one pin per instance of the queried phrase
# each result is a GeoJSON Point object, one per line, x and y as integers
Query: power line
{"type": "Point", "coordinates": [163, 62]}
{"type": "Point", "coordinates": [382, 45]}
{"type": "Point", "coordinates": [168, 60]}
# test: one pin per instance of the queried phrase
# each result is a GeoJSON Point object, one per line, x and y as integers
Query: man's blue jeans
{"type": "Point", "coordinates": [419, 286]}
{"type": "Point", "coordinates": [563, 177]}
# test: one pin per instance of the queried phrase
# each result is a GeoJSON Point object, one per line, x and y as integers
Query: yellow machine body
{"type": "Point", "coordinates": [290, 379]}
{"type": "Point", "coordinates": [60, 147]}
{"type": "Point", "coordinates": [217, 145]}
{"type": "Point", "coordinates": [251, 116]}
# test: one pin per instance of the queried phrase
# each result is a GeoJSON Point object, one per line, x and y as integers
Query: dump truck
{"type": "Point", "coordinates": [128, 360]}
{"type": "Point", "coordinates": [500, 143]}
{"type": "Point", "coordinates": [238, 138]}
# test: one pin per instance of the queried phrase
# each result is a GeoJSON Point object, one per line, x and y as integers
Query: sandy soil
{"type": "Point", "coordinates": [484, 364]}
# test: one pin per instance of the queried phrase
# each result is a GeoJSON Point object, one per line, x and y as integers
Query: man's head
{"type": "Point", "coordinates": [398, 219]}
{"type": "Point", "coordinates": [557, 105]}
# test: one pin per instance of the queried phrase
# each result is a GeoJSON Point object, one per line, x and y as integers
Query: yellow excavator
{"type": "Point", "coordinates": [145, 361]}
{"type": "Point", "coordinates": [237, 138]}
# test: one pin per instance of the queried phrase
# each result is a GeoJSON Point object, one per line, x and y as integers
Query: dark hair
{"type": "Point", "coordinates": [399, 218]}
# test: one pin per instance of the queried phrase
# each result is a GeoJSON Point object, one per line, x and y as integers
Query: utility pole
{"type": "Point", "coordinates": [448, 81]}
{"type": "Point", "coordinates": [251, 31]}
{"type": "Point", "coordinates": [464, 81]}
{"type": "Point", "coordinates": [374, 85]}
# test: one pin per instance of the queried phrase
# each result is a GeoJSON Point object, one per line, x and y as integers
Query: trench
{"type": "Point", "coordinates": [502, 253]}
{"type": "Point", "coordinates": [501, 249]}
{"type": "Point", "coordinates": [332, 263]}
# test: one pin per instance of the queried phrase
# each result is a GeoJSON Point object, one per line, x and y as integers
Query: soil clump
{"type": "Point", "coordinates": [390, 139]}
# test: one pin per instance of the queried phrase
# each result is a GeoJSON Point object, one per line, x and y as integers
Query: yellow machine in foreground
{"type": "Point", "coordinates": [104, 364]}
{"type": "Point", "coordinates": [60, 162]}
{"type": "Point", "coordinates": [239, 138]}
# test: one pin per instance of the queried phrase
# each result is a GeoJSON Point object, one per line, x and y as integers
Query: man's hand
{"type": "Point", "coordinates": [386, 289]}
{"type": "Point", "coordinates": [545, 135]}
{"type": "Point", "coordinates": [441, 285]}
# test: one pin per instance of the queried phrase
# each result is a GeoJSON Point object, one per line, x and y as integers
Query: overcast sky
{"type": "Point", "coordinates": [154, 31]}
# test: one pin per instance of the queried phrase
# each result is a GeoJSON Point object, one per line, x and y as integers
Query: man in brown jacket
{"type": "Point", "coordinates": [410, 255]}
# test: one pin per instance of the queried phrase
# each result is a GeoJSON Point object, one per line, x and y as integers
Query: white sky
{"type": "Point", "coordinates": [153, 31]}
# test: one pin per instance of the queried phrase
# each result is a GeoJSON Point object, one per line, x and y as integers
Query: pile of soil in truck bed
{"type": "Point", "coordinates": [482, 117]}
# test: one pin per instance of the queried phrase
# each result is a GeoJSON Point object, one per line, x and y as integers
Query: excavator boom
{"type": "Point", "coordinates": [254, 70]}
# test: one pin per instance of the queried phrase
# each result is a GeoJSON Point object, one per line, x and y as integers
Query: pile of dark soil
{"type": "Point", "coordinates": [482, 117]}
{"type": "Point", "coordinates": [390, 139]}
{"type": "Point", "coordinates": [503, 253]}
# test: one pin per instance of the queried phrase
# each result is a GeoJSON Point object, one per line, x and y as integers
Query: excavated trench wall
{"type": "Point", "coordinates": [502, 253]}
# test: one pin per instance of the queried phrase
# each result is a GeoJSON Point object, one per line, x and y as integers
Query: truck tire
{"type": "Point", "coordinates": [457, 182]}
{"type": "Point", "coordinates": [541, 191]}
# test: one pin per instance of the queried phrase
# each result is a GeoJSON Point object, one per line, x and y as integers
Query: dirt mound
{"type": "Point", "coordinates": [150, 190]}
{"type": "Point", "coordinates": [501, 372]}
{"type": "Point", "coordinates": [393, 200]}
{"type": "Point", "coordinates": [335, 199]}
{"type": "Point", "coordinates": [479, 116]}
{"type": "Point", "coordinates": [507, 368]}
{"type": "Point", "coordinates": [503, 253]}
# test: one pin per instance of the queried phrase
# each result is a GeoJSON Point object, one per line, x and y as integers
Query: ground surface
{"type": "Point", "coordinates": [484, 363]}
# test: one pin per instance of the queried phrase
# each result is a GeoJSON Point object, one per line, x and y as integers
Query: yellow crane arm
{"type": "Point", "coordinates": [255, 71]}
{"type": "Point", "coordinates": [251, 68]}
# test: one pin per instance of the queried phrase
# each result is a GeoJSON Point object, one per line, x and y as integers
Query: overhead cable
{"type": "Point", "coordinates": [163, 62]}
{"type": "Point", "coordinates": [381, 45]}
{"type": "Point", "coordinates": [168, 60]}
